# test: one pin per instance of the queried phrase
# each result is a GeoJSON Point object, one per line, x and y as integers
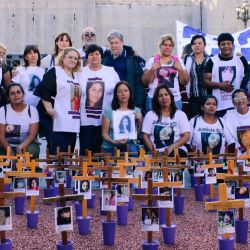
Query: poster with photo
{"type": "Point", "coordinates": [225, 221]}
{"type": "Point", "coordinates": [32, 187]}
{"type": "Point", "coordinates": [122, 192]}
{"type": "Point", "coordinates": [130, 171]}
{"type": "Point", "coordinates": [19, 184]}
{"type": "Point", "coordinates": [124, 125]}
{"type": "Point", "coordinates": [76, 94]}
{"type": "Point", "coordinates": [166, 191]}
{"type": "Point", "coordinates": [157, 176]}
{"type": "Point", "coordinates": [146, 175]}
{"type": "Point", "coordinates": [178, 176]}
{"type": "Point", "coordinates": [243, 135]}
{"type": "Point", "coordinates": [5, 218]}
{"type": "Point", "coordinates": [103, 183]}
{"type": "Point", "coordinates": [210, 176]}
{"type": "Point", "coordinates": [166, 75]}
{"type": "Point", "coordinates": [164, 135]}
{"type": "Point", "coordinates": [242, 193]}
{"type": "Point", "coordinates": [211, 140]}
{"type": "Point", "coordinates": [231, 185]}
{"type": "Point", "coordinates": [60, 177]}
{"type": "Point", "coordinates": [84, 188]}
{"type": "Point", "coordinates": [150, 219]}
{"type": "Point", "coordinates": [198, 169]}
{"type": "Point", "coordinates": [63, 219]}
{"type": "Point", "coordinates": [109, 200]}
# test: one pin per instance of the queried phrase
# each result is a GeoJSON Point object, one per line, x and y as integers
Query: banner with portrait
{"type": "Point", "coordinates": [124, 125]}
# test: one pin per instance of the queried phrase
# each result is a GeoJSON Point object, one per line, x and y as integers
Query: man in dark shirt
{"type": "Point", "coordinates": [127, 64]}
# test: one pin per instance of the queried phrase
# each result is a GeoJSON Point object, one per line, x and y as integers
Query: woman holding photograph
{"type": "Point", "coordinates": [164, 114]}
{"type": "Point", "coordinates": [122, 101]}
{"type": "Point", "coordinates": [209, 131]}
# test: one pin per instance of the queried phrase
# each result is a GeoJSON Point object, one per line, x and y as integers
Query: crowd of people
{"type": "Point", "coordinates": [99, 93]}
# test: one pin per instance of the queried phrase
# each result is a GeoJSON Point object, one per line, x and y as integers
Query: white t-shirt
{"type": "Point", "coordinates": [239, 127]}
{"type": "Point", "coordinates": [97, 88]}
{"type": "Point", "coordinates": [205, 135]}
{"type": "Point", "coordinates": [167, 131]}
{"type": "Point", "coordinates": [230, 70]}
{"type": "Point", "coordinates": [48, 62]}
{"type": "Point", "coordinates": [67, 102]}
{"type": "Point", "coordinates": [17, 123]}
{"type": "Point", "coordinates": [166, 75]}
{"type": "Point", "coordinates": [29, 77]}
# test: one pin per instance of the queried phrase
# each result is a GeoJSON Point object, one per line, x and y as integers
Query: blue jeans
{"type": "Point", "coordinates": [62, 140]}
{"type": "Point", "coordinates": [178, 104]}
{"type": "Point", "coordinates": [90, 139]}
{"type": "Point", "coordinates": [131, 148]}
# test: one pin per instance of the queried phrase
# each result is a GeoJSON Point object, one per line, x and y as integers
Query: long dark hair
{"type": "Point", "coordinates": [115, 102]}
{"type": "Point", "coordinates": [204, 100]}
{"type": "Point", "coordinates": [27, 50]}
{"type": "Point", "coordinates": [156, 106]}
{"type": "Point", "coordinates": [60, 38]}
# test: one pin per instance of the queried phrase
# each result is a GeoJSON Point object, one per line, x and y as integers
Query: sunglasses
{"type": "Point", "coordinates": [89, 34]}
{"type": "Point", "coordinates": [242, 98]}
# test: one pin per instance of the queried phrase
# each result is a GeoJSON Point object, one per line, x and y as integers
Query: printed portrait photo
{"type": "Point", "coordinates": [157, 176]}
{"type": "Point", "coordinates": [63, 219]}
{"type": "Point", "coordinates": [75, 97]}
{"type": "Point", "coordinates": [146, 175]}
{"type": "Point", "coordinates": [150, 219]}
{"type": "Point", "coordinates": [130, 171]}
{"type": "Point", "coordinates": [241, 193]}
{"type": "Point", "coordinates": [19, 184]}
{"type": "Point", "coordinates": [166, 191]}
{"type": "Point", "coordinates": [211, 140]}
{"type": "Point", "coordinates": [225, 221]}
{"type": "Point", "coordinates": [124, 125]}
{"type": "Point", "coordinates": [163, 136]}
{"type": "Point", "coordinates": [122, 192]}
{"type": "Point", "coordinates": [60, 177]}
{"type": "Point", "coordinates": [103, 183]}
{"type": "Point", "coordinates": [109, 200]}
{"type": "Point", "coordinates": [231, 185]}
{"type": "Point", "coordinates": [198, 169]}
{"type": "Point", "coordinates": [210, 176]}
{"type": "Point", "coordinates": [166, 75]}
{"type": "Point", "coordinates": [5, 218]}
{"type": "Point", "coordinates": [227, 73]}
{"type": "Point", "coordinates": [95, 94]}
{"type": "Point", "coordinates": [243, 134]}
{"type": "Point", "coordinates": [32, 187]}
{"type": "Point", "coordinates": [85, 189]}
{"type": "Point", "coordinates": [13, 133]}
{"type": "Point", "coordinates": [34, 82]}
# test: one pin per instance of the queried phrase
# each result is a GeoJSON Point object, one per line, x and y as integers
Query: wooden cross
{"type": "Point", "coordinates": [166, 183]}
{"type": "Point", "coordinates": [109, 180]}
{"type": "Point", "coordinates": [239, 178]}
{"type": "Point", "coordinates": [4, 195]}
{"type": "Point", "coordinates": [62, 198]}
{"type": "Point", "coordinates": [211, 165]}
{"type": "Point", "coordinates": [84, 176]}
{"type": "Point", "coordinates": [150, 197]}
{"type": "Point", "coordinates": [224, 203]}
{"type": "Point", "coordinates": [27, 174]}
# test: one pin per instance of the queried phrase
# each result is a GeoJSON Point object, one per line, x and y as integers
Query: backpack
{"type": "Point", "coordinates": [5, 111]}
{"type": "Point", "coordinates": [219, 119]}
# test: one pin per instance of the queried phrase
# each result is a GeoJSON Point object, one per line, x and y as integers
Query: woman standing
{"type": "Point", "coordinates": [61, 42]}
{"type": "Point", "coordinates": [165, 69]}
{"type": "Point", "coordinates": [209, 131]}
{"type": "Point", "coordinates": [195, 64]}
{"type": "Point", "coordinates": [30, 75]}
{"type": "Point", "coordinates": [165, 116]}
{"type": "Point", "coordinates": [123, 102]}
{"type": "Point", "coordinates": [57, 91]}
{"type": "Point", "coordinates": [97, 83]}
{"type": "Point", "coordinates": [238, 120]}
{"type": "Point", "coordinates": [19, 123]}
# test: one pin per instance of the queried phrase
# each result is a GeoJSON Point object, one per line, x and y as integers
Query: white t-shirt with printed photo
{"type": "Point", "coordinates": [17, 123]}
{"type": "Point", "coordinates": [167, 131]}
{"type": "Point", "coordinates": [29, 77]}
{"type": "Point", "coordinates": [98, 89]}
{"type": "Point", "coordinates": [239, 128]}
{"type": "Point", "coordinates": [166, 75]}
{"type": "Point", "coordinates": [214, 136]}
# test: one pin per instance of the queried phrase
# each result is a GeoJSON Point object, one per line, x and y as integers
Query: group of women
{"type": "Point", "coordinates": [93, 102]}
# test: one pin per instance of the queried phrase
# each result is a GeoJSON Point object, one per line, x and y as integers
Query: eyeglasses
{"type": "Point", "coordinates": [89, 34]}
{"type": "Point", "coordinates": [238, 99]}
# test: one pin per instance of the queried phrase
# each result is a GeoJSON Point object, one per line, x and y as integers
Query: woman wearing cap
{"type": "Point", "coordinates": [30, 75]}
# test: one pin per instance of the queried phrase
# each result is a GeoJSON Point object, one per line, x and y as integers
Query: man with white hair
{"type": "Point", "coordinates": [88, 37]}
{"type": "Point", "coordinates": [127, 64]}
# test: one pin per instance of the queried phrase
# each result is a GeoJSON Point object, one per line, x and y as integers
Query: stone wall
{"type": "Point", "coordinates": [141, 21]}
